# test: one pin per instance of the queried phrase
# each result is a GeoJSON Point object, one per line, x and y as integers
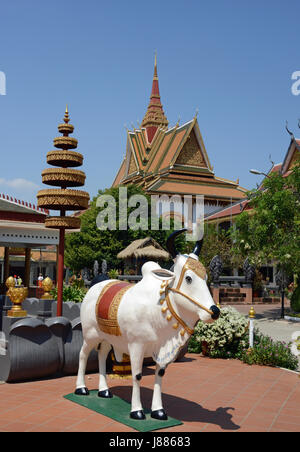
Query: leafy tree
{"type": "Point", "coordinates": [271, 231]}
{"type": "Point", "coordinates": [90, 244]}
{"type": "Point", "coordinates": [217, 241]}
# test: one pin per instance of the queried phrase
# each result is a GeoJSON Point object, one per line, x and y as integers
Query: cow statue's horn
{"type": "Point", "coordinates": [170, 244]}
{"type": "Point", "coordinates": [198, 247]}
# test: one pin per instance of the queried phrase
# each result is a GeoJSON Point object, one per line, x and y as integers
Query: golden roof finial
{"type": "Point", "coordinates": [155, 63]}
{"type": "Point", "coordinates": [66, 118]}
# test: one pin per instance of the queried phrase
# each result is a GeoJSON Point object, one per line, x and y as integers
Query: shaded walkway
{"type": "Point", "coordinates": [206, 394]}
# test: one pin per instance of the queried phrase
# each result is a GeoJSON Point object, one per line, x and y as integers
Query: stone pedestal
{"type": "Point", "coordinates": [7, 304]}
{"type": "Point", "coordinates": [45, 308]}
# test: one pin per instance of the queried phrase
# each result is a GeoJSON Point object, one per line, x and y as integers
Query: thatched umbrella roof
{"type": "Point", "coordinates": [146, 247]}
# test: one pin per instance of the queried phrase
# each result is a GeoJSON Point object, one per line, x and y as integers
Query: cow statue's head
{"type": "Point", "coordinates": [187, 282]}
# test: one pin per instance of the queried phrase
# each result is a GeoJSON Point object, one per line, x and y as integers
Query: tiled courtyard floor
{"type": "Point", "coordinates": [206, 394]}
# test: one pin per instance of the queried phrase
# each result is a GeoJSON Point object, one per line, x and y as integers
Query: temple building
{"type": "Point", "coordinates": [171, 161]}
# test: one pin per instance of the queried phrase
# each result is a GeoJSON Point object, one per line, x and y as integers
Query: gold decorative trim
{"type": "Point", "coordinates": [65, 128]}
{"type": "Point", "coordinates": [67, 199]}
{"type": "Point", "coordinates": [65, 142]}
{"type": "Point", "coordinates": [193, 265]}
{"type": "Point", "coordinates": [63, 222]}
{"type": "Point", "coordinates": [191, 153]}
{"type": "Point", "coordinates": [57, 177]}
{"type": "Point", "coordinates": [179, 320]}
{"type": "Point", "coordinates": [110, 325]}
{"type": "Point", "coordinates": [196, 266]}
{"type": "Point", "coordinates": [64, 158]}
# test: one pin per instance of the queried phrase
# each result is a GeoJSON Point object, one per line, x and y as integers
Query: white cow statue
{"type": "Point", "coordinates": [153, 318]}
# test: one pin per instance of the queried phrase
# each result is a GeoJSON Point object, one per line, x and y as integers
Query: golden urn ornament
{"type": "Point", "coordinates": [10, 282]}
{"type": "Point", "coordinates": [47, 286]}
{"type": "Point", "coordinates": [17, 296]}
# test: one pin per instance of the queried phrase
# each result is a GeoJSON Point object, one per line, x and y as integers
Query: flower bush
{"type": "Point", "coordinates": [268, 352]}
{"type": "Point", "coordinates": [225, 338]}
{"type": "Point", "coordinates": [228, 337]}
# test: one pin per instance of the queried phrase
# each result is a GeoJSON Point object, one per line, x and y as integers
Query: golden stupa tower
{"type": "Point", "coordinates": [63, 199]}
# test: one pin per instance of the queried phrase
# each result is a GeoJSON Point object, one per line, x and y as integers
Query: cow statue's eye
{"type": "Point", "coordinates": [188, 279]}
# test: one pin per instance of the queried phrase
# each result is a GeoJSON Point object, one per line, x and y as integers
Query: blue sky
{"type": "Point", "coordinates": [230, 59]}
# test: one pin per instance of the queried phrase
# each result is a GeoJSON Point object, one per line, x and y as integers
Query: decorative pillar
{"type": "Point", "coordinates": [63, 199]}
{"type": "Point", "coordinates": [27, 267]}
{"type": "Point", "coordinates": [60, 270]}
{"type": "Point", "coordinates": [252, 314]}
{"type": "Point", "coordinates": [6, 263]}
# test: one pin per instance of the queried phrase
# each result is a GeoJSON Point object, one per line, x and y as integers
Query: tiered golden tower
{"type": "Point", "coordinates": [63, 198]}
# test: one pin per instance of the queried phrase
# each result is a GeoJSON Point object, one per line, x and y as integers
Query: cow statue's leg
{"type": "Point", "coordinates": [157, 411]}
{"type": "Point", "coordinates": [81, 388]}
{"type": "Point", "coordinates": [102, 355]}
{"type": "Point", "coordinates": [136, 352]}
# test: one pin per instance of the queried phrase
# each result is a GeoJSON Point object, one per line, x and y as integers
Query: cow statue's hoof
{"type": "Point", "coordinates": [138, 415]}
{"type": "Point", "coordinates": [82, 391]}
{"type": "Point", "coordinates": [161, 415]}
{"type": "Point", "coordinates": [106, 394]}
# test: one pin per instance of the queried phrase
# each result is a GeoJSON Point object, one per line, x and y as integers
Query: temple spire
{"type": "Point", "coordinates": [155, 65]}
{"type": "Point", "coordinates": [154, 117]}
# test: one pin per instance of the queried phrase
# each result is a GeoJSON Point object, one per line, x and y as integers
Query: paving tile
{"type": "Point", "coordinates": [265, 420]}
{"type": "Point", "coordinates": [289, 419]}
{"type": "Point", "coordinates": [286, 426]}
{"type": "Point", "coordinates": [17, 427]}
{"type": "Point", "coordinates": [290, 412]}
{"type": "Point", "coordinates": [206, 394]}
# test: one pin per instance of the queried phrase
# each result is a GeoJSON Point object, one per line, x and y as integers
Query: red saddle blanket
{"type": "Point", "coordinates": [108, 304]}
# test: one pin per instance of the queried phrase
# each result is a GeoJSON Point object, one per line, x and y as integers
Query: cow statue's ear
{"type": "Point", "coordinates": [163, 274]}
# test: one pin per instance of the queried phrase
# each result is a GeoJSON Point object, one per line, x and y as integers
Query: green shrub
{"type": "Point", "coordinates": [78, 283]}
{"type": "Point", "coordinates": [71, 293]}
{"type": "Point", "coordinates": [268, 352]}
{"type": "Point", "coordinates": [295, 300]}
{"type": "Point", "coordinates": [113, 273]}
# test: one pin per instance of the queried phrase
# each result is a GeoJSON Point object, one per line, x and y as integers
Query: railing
{"type": "Point", "coordinates": [233, 280]}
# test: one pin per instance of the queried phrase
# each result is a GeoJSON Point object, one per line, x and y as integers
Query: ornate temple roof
{"type": "Point", "coordinates": [172, 161]}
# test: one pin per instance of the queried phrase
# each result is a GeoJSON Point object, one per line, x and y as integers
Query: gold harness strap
{"type": "Point", "coordinates": [198, 268]}
{"type": "Point", "coordinates": [192, 300]}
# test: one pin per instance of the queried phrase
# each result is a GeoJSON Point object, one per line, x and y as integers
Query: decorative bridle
{"type": "Point", "coordinates": [190, 264]}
